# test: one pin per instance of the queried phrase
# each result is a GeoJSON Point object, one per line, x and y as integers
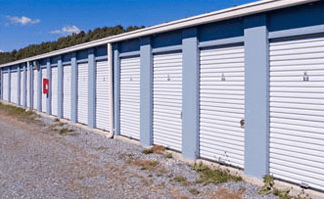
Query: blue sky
{"type": "Point", "coordinates": [32, 22]}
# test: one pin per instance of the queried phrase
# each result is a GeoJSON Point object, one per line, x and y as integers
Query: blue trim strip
{"type": "Point", "coordinates": [39, 90]}
{"type": "Point", "coordinates": [66, 63]}
{"type": "Point", "coordinates": [130, 54]}
{"type": "Point", "coordinates": [9, 84]}
{"type": "Point", "coordinates": [54, 65]}
{"type": "Point", "coordinates": [1, 83]}
{"type": "Point", "coordinates": [24, 102]}
{"type": "Point", "coordinates": [82, 61]}
{"type": "Point", "coordinates": [102, 58]}
{"type": "Point", "coordinates": [49, 95]}
{"type": "Point", "coordinates": [91, 89]}
{"type": "Point", "coordinates": [297, 32]}
{"type": "Point", "coordinates": [117, 89]}
{"type": "Point", "coordinates": [18, 86]}
{"type": "Point", "coordinates": [256, 96]}
{"type": "Point", "coordinates": [31, 73]}
{"type": "Point", "coordinates": [146, 92]}
{"type": "Point", "coordinates": [190, 94]}
{"type": "Point", "coordinates": [60, 88]}
{"type": "Point", "coordinates": [167, 49]}
{"type": "Point", "coordinates": [74, 88]}
{"type": "Point", "coordinates": [218, 42]}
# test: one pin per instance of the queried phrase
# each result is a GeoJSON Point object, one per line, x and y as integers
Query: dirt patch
{"type": "Point", "coordinates": [225, 194]}
{"type": "Point", "coordinates": [145, 164]}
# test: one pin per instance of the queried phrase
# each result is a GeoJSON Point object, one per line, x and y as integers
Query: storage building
{"type": "Point", "coordinates": [242, 86]}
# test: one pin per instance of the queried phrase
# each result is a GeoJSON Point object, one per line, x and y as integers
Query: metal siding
{"type": "Point", "coordinates": [167, 100]}
{"type": "Point", "coordinates": [54, 91]}
{"type": "Point", "coordinates": [82, 110]}
{"type": "Point", "coordinates": [130, 97]}
{"type": "Point", "coordinates": [222, 103]}
{"type": "Point", "coordinates": [35, 89]}
{"type": "Point", "coordinates": [5, 86]}
{"type": "Point", "coordinates": [67, 92]}
{"type": "Point", "coordinates": [297, 111]}
{"type": "Point", "coordinates": [14, 87]}
{"type": "Point", "coordinates": [44, 96]}
{"type": "Point", "coordinates": [102, 96]}
{"type": "Point", "coordinates": [28, 87]}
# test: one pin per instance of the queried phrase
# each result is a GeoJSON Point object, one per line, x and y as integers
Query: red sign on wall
{"type": "Point", "coordinates": [45, 86]}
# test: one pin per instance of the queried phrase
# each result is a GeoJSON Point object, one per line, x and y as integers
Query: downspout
{"type": "Point", "coordinates": [111, 94]}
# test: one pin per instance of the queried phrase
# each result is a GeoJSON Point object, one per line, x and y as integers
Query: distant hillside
{"type": "Point", "coordinates": [63, 42]}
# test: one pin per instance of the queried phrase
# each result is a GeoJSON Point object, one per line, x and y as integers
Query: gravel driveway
{"type": "Point", "coordinates": [36, 161]}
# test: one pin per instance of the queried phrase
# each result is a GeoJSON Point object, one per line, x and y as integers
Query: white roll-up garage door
{"type": "Point", "coordinates": [22, 87]}
{"type": "Point", "coordinates": [167, 100]}
{"type": "Point", "coordinates": [102, 96]}
{"type": "Point", "coordinates": [44, 96]}
{"type": "Point", "coordinates": [297, 111]}
{"type": "Point", "coordinates": [54, 90]}
{"type": "Point", "coordinates": [130, 97]}
{"type": "Point", "coordinates": [14, 87]}
{"type": "Point", "coordinates": [5, 86]}
{"type": "Point", "coordinates": [67, 92]}
{"type": "Point", "coordinates": [35, 95]}
{"type": "Point", "coordinates": [82, 111]}
{"type": "Point", "coordinates": [222, 104]}
{"type": "Point", "coordinates": [28, 88]}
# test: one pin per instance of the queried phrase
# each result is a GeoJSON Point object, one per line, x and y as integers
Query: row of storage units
{"type": "Point", "coordinates": [296, 103]}
{"type": "Point", "coordinates": [102, 92]}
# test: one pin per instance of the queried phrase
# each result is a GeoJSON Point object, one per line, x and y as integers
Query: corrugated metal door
{"type": "Point", "coordinates": [297, 111]}
{"type": "Point", "coordinates": [67, 92]}
{"type": "Point", "coordinates": [35, 82]}
{"type": "Point", "coordinates": [5, 86]}
{"type": "Point", "coordinates": [222, 104]}
{"type": "Point", "coordinates": [14, 87]}
{"type": "Point", "coordinates": [82, 111]}
{"type": "Point", "coordinates": [21, 87]}
{"type": "Point", "coordinates": [54, 90]}
{"type": "Point", "coordinates": [102, 96]}
{"type": "Point", "coordinates": [28, 88]}
{"type": "Point", "coordinates": [130, 97]}
{"type": "Point", "coordinates": [167, 100]}
{"type": "Point", "coordinates": [44, 96]}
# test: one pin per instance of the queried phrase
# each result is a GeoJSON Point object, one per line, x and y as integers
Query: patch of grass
{"type": "Point", "coordinates": [148, 151]}
{"type": "Point", "coordinates": [216, 176]}
{"type": "Point", "coordinates": [169, 155]}
{"type": "Point", "coordinates": [150, 176]}
{"type": "Point", "coordinates": [56, 120]}
{"type": "Point", "coordinates": [158, 149]}
{"type": "Point", "coordinates": [145, 164]}
{"type": "Point", "coordinates": [16, 111]}
{"type": "Point", "coordinates": [181, 180]}
{"type": "Point", "coordinates": [65, 130]}
{"type": "Point", "coordinates": [194, 191]}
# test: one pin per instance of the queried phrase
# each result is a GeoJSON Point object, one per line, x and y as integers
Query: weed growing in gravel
{"type": "Point", "coordinates": [216, 176]}
{"type": "Point", "coordinates": [56, 120]}
{"type": "Point", "coordinates": [181, 180]}
{"type": "Point", "coordinates": [268, 187]}
{"type": "Point", "coordinates": [194, 191]}
{"type": "Point", "coordinates": [64, 131]}
{"type": "Point", "coordinates": [169, 155]}
{"type": "Point", "coordinates": [148, 151]}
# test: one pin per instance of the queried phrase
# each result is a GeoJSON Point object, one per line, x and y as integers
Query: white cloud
{"type": "Point", "coordinates": [22, 20]}
{"type": "Point", "coordinates": [1, 51]}
{"type": "Point", "coordinates": [66, 30]}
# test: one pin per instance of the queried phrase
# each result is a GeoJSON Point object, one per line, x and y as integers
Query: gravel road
{"type": "Point", "coordinates": [36, 161]}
